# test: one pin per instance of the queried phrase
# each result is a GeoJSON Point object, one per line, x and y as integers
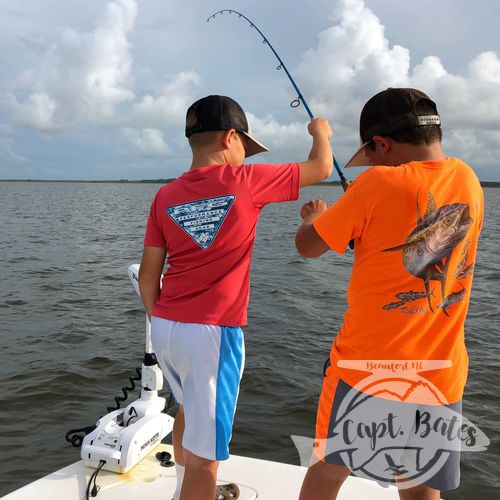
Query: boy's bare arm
{"type": "Point", "coordinates": [308, 242]}
{"type": "Point", "coordinates": [153, 260]}
{"type": "Point", "coordinates": [320, 162]}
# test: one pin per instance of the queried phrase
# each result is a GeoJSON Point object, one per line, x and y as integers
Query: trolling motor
{"type": "Point", "coordinates": [123, 437]}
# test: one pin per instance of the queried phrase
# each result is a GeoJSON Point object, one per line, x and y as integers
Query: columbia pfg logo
{"type": "Point", "coordinates": [202, 219]}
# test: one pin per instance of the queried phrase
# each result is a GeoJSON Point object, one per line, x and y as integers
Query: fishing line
{"type": "Point", "coordinates": [300, 98]}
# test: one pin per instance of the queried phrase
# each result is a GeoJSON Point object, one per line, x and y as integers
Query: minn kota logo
{"type": "Point", "coordinates": [202, 219]}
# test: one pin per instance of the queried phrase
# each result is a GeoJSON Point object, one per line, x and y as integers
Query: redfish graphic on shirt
{"type": "Point", "coordinates": [427, 251]}
{"type": "Point", "coordinates": [202, 219]}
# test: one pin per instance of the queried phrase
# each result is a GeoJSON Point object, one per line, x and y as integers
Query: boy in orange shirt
{"type": "Point", "coordinates": [415, 218]}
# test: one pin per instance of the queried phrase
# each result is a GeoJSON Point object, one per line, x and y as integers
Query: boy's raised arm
{"type": "Point", "coordinates": [320, 162]}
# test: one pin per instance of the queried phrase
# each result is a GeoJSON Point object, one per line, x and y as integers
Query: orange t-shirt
{"type": "Point", "coordinates": [415, 229]}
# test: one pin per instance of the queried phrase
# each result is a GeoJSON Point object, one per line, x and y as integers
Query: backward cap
{"type": "Point", "coordinates": [218, 112]}
{"type": "Point", "coordinates": [390, 111]}
{"type": "Point", "coordinates": [394, 110]}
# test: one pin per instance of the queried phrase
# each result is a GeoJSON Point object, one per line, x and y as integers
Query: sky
{"type": "Point", "coordinates": [98, 89]}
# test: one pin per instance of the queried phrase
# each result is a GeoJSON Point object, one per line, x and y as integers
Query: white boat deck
{"type": "Point", "coordinates": [150, 481]}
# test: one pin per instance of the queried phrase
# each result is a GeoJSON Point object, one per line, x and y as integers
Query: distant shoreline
{"type": "Point", "coordinates": [492, 184]}
{"type": "Point", "coordinates": [82, 181]}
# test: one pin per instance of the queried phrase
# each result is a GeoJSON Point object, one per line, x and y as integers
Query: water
{"type": "Point", "coordinates": [72, 328]}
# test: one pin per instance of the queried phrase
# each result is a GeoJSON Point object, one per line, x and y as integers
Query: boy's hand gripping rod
{"type": "Point", "coordinates": [300, 98]}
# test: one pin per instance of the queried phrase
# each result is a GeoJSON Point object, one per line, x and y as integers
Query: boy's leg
{"type": "Point", "coordinates": [200, 478]}
{"type": "Point", "coordinates": [323, 481]}
{"type": "Point", "coordinates": [324, 478]}
{"type": "Point", "coordinates": [177, 434]}
{"type": "Point", "coordinates": [447, 476]}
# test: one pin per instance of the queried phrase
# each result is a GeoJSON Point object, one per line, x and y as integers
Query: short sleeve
{"type": "Point", "coordinates": [272, 183]}
{"type": "Point", "coordinates": [154, 235]}
{"type": "Point", "coordinates": [343, 221]}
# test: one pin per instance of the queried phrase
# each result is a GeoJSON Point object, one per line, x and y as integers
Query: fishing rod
{"type": "Point", "coordinates": [300, 98]}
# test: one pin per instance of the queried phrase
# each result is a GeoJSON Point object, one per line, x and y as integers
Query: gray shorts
{"type": "Point", "coordinates": [416, 449]}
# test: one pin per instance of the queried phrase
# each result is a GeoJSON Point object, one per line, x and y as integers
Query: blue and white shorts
{"type": "Point", "coordinates": [203, 365]}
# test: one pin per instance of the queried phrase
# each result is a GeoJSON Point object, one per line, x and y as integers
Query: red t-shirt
{"type": "Point", "coordinates": [206, 221]}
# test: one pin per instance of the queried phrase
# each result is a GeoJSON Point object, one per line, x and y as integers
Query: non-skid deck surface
{"type": "Point", "coordinates": [150, 481]}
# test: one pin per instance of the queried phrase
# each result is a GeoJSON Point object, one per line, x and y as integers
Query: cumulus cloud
{"type": "Point", "coordinates": [148, 142]}
{"type": "Point", "coordinates": [291, 139]}
{"type": "Point", "coordinates": [351, 56]}
{"type": "Point", "coordinates": [86, 78]}
{"type": "Point", "coordinates": [6, 128]}
{"type": "Point", "coordinates": [471, 101]}
{"type": "Point", "coordinates": [169, 106]}
{"type": "Point", "coordinates": [353, 60]}
{"type": "Point", "coordinates": [82, 77]}
{"type": "Point", "coordinates": [7, 153]}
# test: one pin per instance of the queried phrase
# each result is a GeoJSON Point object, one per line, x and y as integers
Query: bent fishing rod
{"type": "Point", "coordinates": [300, 98]}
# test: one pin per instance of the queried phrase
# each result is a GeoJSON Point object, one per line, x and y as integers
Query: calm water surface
{"type": "Point", "coordinates": [72, 328]}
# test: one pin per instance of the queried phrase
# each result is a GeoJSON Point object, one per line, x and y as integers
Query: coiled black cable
{"type": "Point", "coordinates": [75, 436]}
{"type": "Point", "coordinates": [125, 390]}
{"type": "Point", "coordinates": [75, 439]}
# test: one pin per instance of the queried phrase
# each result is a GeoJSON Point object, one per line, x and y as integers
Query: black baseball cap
{"type": "Point", "coordinates": [218, 112]}
{"type": "Point", "coordinates": [390, 111]}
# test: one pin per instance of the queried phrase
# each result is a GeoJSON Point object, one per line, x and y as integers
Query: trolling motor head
{"type": "Point", "coordinates": [133, 274]}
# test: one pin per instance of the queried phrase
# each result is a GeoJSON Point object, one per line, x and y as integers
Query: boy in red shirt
{"type": "Point", "coordinates": [204, 224]}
